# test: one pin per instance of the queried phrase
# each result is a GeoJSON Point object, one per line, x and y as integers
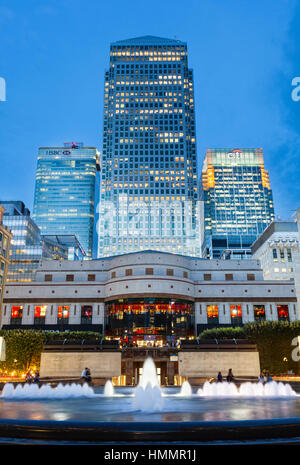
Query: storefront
{"type": "Point", "coordinates": [150, 322]}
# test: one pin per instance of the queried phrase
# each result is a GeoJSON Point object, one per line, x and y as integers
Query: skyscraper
{"type": "Point", "coordinates": [28, 247]}
{"type": "Point", "coordinates": [238, 201]}
{"type": "Point", "coordinates": [148, 187]}
{"type": "Point", "coordinates": [5, 239]}
{"type": "Point", "coordinates": [64, 198]}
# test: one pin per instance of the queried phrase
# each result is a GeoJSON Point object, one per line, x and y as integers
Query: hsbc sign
{"type": "Point", "coordinates": [66, 152]}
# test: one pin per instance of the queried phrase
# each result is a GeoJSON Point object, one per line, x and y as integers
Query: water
{"type": "Point", "coordinates": [149, 402]}
{"type": "Point", "coordinates": [271, 389]}
{"type": "Point", "coordinates": [148, 394]}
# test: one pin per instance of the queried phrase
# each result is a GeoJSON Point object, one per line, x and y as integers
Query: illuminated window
{"type": "Point", "coordinates": [16, 314]}
{"type": "Point", "coordinates": [63, 314]}
{"type": "Point", "coordinates": [212, 313]}
{"type": "Point", "coordinates": [40, 313]}
{"type": "Point", "coordinates": [236, 314]}
{"type": "Point", "coordinates": [86, 314]}
{"type": "Point", "coordinates": [259, 312]}
{"type": "Point", "coordinates": [283, 312]}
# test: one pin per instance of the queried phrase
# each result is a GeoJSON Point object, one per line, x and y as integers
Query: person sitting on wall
{"type": "Point", "coordinates": [36, 377]}
{"type": "Point", "coordinates": [88, 375]}
{"type": "Point", "coordinates": [28, 377]}
{"type": "Point", "coordinates": [220, 377]}
{"type": "Point", "coordinates": [230, 376]}
{"type": "Point", "coordinates": [84, 374]}
{"type": "Point", "coordinates": [262, 379]}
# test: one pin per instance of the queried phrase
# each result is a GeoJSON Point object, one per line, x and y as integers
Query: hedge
{"type": "Point", "coordinates": [24, 346]}
{"type": "Point", "coordinates": [273, 339]}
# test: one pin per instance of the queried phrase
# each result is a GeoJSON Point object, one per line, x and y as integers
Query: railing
{"type": "Point", "coordinates": [154, 352]}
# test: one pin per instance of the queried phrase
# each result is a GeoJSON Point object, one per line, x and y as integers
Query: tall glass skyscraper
{"type": "Point", "coordinates": [148, 190]}
{"type": "Point", "coordinates": [238, 201]}
{"type": "Point", "coordinates": [64, 198]}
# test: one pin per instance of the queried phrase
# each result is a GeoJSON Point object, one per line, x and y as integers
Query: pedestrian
{"type": "Point", "coordinates": [28, 377]}
{"type": "Point", "coordinates": [36, 377]}
{"type": "Point", "coordinates": [220, 377]}
{"type": "Point", "coordinates": [262, 379]}
{"type": "Point", "coordinates": [269, 378]}
{"type": "Point", "coordinates": [230, 376]}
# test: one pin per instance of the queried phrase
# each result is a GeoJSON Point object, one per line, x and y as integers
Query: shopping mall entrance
{"type": "Point", "coordinates": [165, 359]}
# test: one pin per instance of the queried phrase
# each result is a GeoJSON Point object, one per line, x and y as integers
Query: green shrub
{"type": "Point", "coordinates": [24, 346]}
{"type": "Point", "coordinates": [273, 340]}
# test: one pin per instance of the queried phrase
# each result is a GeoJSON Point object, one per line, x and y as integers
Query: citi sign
{"type": "Point", "coordinates": [237, 153]}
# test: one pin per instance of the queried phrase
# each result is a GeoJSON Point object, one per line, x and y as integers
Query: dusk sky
{"type": "Point", "coordinates": [244, 56]}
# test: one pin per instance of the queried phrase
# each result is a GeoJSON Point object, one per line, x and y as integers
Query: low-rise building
{"type": "Point", "coordinates": [277, 249]}
{"type": "Point", "coordinates": [148, 297]}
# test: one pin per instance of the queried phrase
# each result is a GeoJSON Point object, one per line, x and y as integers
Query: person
{"type": "Point", "coordinates": [230, 376]}
{"type": "Point", "coordinates": [36, 377]}
{"type": "Point", "coordinates": [84, 375]}
{"type": "Point", "coordinates": [220, 377]}
{"type": "Point", "coordinates": [28, 377]}
{"type": "Point", "coordinates": [269, 377]}
{"type": "Point", "coordinates": [262, 378]}
{"type": "Point", "coordinates": [88, 375]}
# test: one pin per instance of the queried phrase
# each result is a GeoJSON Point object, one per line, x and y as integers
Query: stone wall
{"type": "Point", "coordinates": [62, 364]}
{"type": "Point", "coordinates": [203, 364]}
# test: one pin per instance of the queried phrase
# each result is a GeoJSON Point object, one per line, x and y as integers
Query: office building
{"type": "Point", "coordinates": [148, 186]}
{"type": "Point", "coordinates": [5, 240]}
{"type": "Point", "coordinates": [64, 198]}
{"type": "Point", "coordinates": [238, 201]}
{"type": "Point", "coordinates": [277, 249]}
{"type": "Point", "coordinates": [29, 247]}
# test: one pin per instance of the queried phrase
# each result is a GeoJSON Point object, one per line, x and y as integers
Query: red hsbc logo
{"type": "Point", "coordinates": [66, 152]}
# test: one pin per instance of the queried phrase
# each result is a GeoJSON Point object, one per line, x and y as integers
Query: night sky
{"type": "Point", "coordinates": [244, 55]}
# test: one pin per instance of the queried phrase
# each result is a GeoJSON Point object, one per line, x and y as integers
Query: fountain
{"type": "Point", "coordinates": [186, 389]}
{"type": "Point", "coordinates": [32, 391]}
{"type": "Point", "coordinates": [216, 411]}
{"type": "Point", "coordinates": [148, 395]}
{"type": "Point", "coordinates": [271, 389]}
{"type": "Point", "coordinates": [109, 390]}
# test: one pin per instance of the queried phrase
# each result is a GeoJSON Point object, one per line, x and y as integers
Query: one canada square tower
{"type": "Point", "coordinates": [148, 189]}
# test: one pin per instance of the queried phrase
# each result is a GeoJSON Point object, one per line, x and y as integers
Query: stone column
{"type": "Point", "coordinates": [129, 372]}
{"type": "Point", "coordinates": [170, 372]}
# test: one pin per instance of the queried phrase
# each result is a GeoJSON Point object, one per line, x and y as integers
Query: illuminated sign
{"type": "Point", "coordinates": [235, 153]}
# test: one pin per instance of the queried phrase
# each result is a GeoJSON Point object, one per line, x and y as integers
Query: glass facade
{"type": "Point", "coordinates": [138, 319]}
{"type": "Point", "coordinates": [148, 186]}
{"type": "Point", "coordinates": [238, 201]}
{"type": "Point", "coordinates": [64, 199]}
{"type": "Point", "coordinates": [28, 248]}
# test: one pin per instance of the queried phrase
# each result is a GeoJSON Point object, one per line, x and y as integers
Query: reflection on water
{"type": "Point", "coordinates": [175, 408]}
